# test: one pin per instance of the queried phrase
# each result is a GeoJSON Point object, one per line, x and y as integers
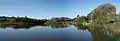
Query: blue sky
{"type": "Point", "coordinates": [50, 8]}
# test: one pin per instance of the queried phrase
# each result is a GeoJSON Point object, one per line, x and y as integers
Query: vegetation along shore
{"type": "Point", "coordinates": [103, 17]}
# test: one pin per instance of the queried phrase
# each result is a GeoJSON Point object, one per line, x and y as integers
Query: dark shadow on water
{"type": "Point", "coordinates": [27, 26]}
{"type": "Point", "coordinates": [59, 26]}
{"type": "Point", "coordinates": [80, 27]}
{"type": "Point", "coordinates": [23, 26]}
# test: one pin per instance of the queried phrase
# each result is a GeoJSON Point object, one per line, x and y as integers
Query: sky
{"type": "Point", "coordinates": [51, 8]}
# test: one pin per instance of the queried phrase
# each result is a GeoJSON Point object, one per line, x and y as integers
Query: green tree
{"type": "Point", "coordinates": [81, 19]}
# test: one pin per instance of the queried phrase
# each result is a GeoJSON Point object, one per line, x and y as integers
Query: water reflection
{"type": "Point", "coordinates": [23, 26]}
{"type": "Point", "coordinates": [17, 26]}
{"type": "Point", "coordinates": [55, 26]}
{"type": "Point", "coordinates": [4, 26]}
{"type": "Point", "coordinates": [44, 33]}
{"type": "Point", "coordinates": [27, 26]}
{"type": "Point", "coordinates": [104, 35]}
{"type": "Point", "coordinates": [67, 32]}
{"type": "Point", "coordinates": [59, 26]}
{"type": "Point", "coordinates": [80, 27]}
{"type": "Point", "coordinates": [99, 34]}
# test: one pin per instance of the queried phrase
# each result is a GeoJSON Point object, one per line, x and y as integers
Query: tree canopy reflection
{"type": "Point", "coordinates": [59, 26]}
{"type": "Point", "coordinates": [104, 36]}
{"type": "Point", "coordinates": [27, 26]}
{"type": "Point", "coordinates": [17, 26]}
{"type": "Point", "coordinates": [80, 27]}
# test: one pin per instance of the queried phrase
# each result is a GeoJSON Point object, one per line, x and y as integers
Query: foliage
{"type": "Point", "coordinates": [57, 20]}
{"type": "Point", "coordinates": [22, 20]}
{"type": "Point", "coordinates": [81, 19]}
{"type": "Point", "coordinates": [103, 14]}
{"type": "Point", "coordinates": [80, 26]}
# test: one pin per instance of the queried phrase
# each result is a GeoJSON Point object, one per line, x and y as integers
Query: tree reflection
{"type": "Point", "coordinates": [59, 25]}
{"type": "Point", "coordinates": [80, 27]}
{"type": "Point", "coordinates": [5, 26]}
{"type": "Point", "coordinates": [27, 26]}
{"type": "Point", "coordinates": [23, 26]}
{"type": "Point", "coordinates": [97, 35]}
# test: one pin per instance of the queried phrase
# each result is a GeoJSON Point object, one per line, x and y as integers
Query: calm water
{"type": "Point", "coordinates": [44, 33]}
{"type": "Point", "coordinates": [52, 33]}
